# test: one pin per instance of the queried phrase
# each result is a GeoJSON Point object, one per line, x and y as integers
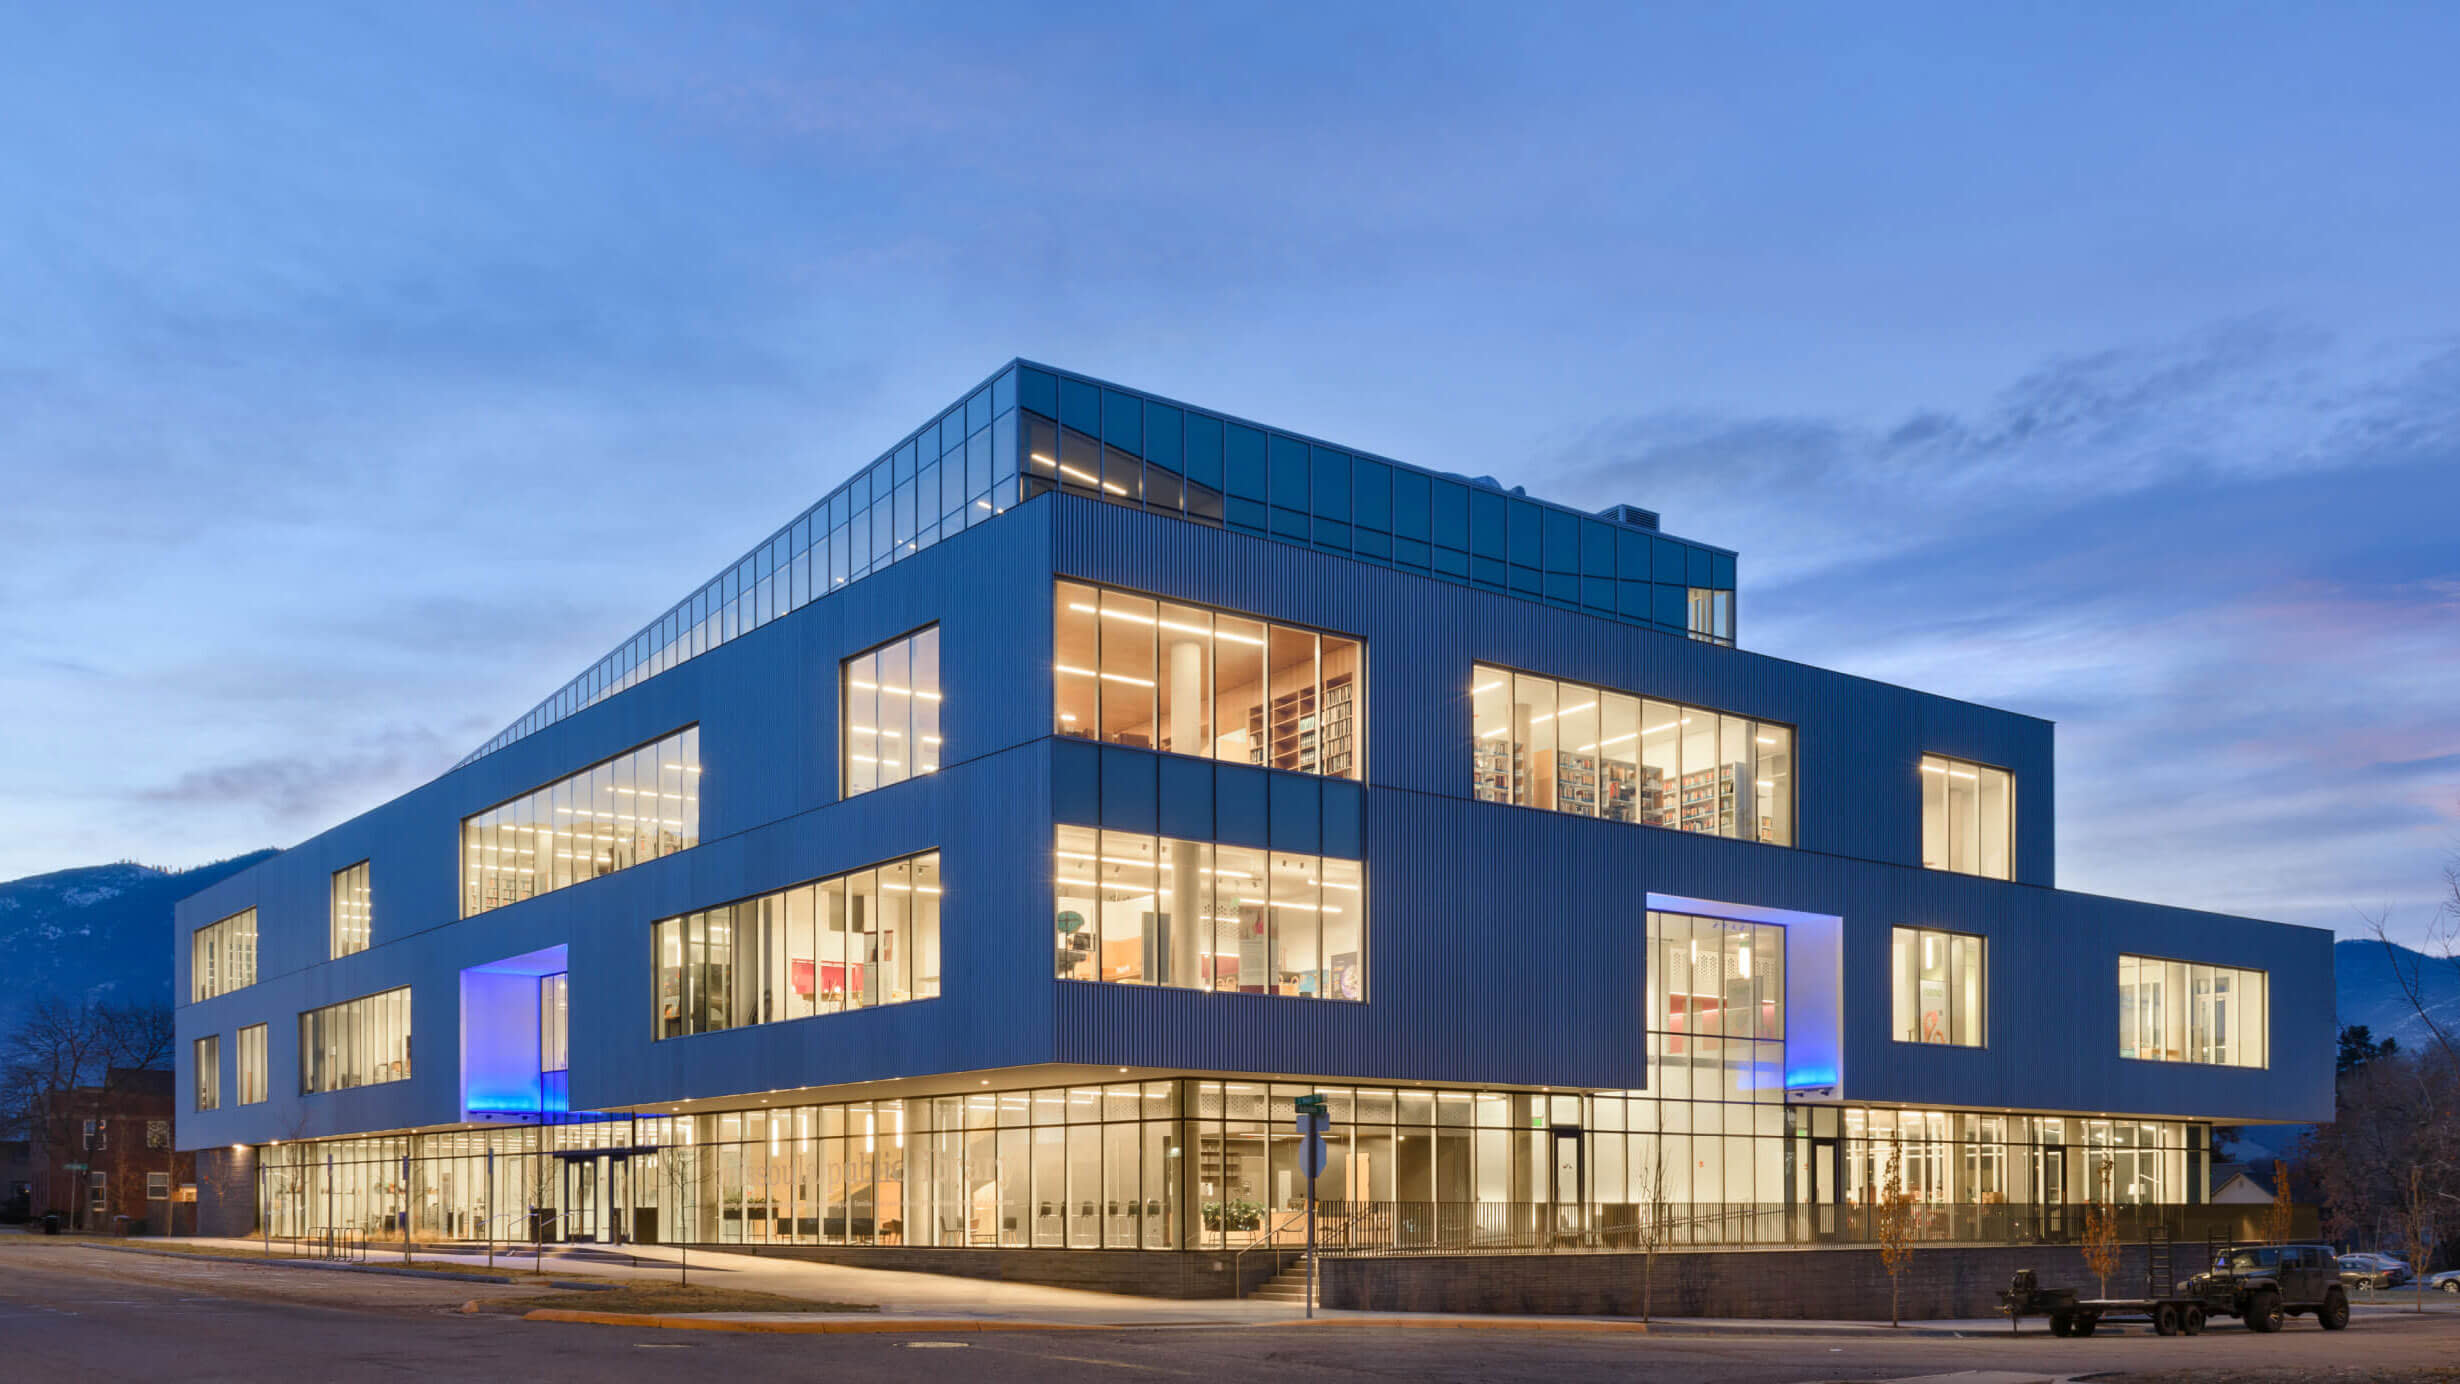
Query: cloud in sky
{"type": "Point", "coordinates": [366, 376]}
{"type": "Point", "coordinates": [2225, 565]}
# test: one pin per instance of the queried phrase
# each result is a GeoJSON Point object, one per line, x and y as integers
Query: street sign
{"type": "Point", "coordinates": [1314, 1118]}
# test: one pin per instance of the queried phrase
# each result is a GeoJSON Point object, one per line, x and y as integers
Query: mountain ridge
{"type": "Point", "coordinates": [98, 932]}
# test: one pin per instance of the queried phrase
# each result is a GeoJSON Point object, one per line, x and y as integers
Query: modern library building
{"type": "Point", "coordinates": [974, 873]}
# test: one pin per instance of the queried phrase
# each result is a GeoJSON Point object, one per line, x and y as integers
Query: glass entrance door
{"type": "Point", "coordinates": [582, 1200]}
{"type": "Point", "coordinates": [2052, 1192]}
{"type": "Point", "coordinates": [1571, 1206]}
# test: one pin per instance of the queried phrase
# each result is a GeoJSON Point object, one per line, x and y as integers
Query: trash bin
{"type": "Point", "coordinates": [51, 1223]}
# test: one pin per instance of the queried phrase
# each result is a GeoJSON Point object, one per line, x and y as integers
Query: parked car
{"type": "Point", "coordinates": [2263, 1285]}
{"type": "Point", "coordinates": [2447, 1281]}
{"type": "Point", "coordinates": [2361, 1270]}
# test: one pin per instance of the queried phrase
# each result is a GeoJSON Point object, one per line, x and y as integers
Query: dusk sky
{"type": "Point", "coordinates": [365, 373]}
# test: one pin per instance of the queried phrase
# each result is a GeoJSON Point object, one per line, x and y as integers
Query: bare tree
{"type": "Point", "coordinates": [2417, 1228]}
{"type": "Point", "coordinates": [66, 1062]}
{"type": "Point", "coordinates": [1895, 1227]}
{"type": "Point", "coordinates": [675, 1185]}
{"type": "Point", "coordinates": [1654, 1224]}
{"type": "Point", "coordinates": [2101, 1244]}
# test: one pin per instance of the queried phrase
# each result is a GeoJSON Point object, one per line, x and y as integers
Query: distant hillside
{"type": "Point", "coordinates": [101, 932]}
{"type": "Point", "coordinates": [2368, 993]}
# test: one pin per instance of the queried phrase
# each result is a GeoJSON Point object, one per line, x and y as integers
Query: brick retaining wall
{"type": "Point", "coordinates": [1146, 1273]}
{"type": "Point", "coordinates": [1815, 1284]}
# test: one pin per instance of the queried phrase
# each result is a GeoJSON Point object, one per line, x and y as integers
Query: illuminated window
{"type": "Point", "coordinates": [1942, 987]}
{"type": "Point", "coordinates": [361, 1042]}
{"type": "Point", "coordinates": [252, 1083]}
{"type": "Point", "coordinates": [209, 1073]}
{"type": "Point", "coordinates": [638, 806]}
{"type": "Point", "coordinates": [350, 911]}
{"type": "Point", "coordinates": [1569, 747]}
{"type": "Point", "coordinates": [892, 719]}
{"type": "Point", "coordinates": [1185, 679]}
{"type": "Point", "coordinates": [853, 941]}
{"type": "Point", "coordinates": [1968, 817]}
{"type": "Point", "coordinates": [2184, 1011]}
{"type": "Point", "coordinates": [222, 956]}
{"type": "Point", "coordinates": [1147, 910]}
{"type": "Point", "coordinates": [555, 1022]}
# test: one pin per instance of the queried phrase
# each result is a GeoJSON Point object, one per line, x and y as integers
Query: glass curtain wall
{"type": "Point", "coordinates": [1968, 817]}
{"type": "Point", "coordinates": [222, 956]}
{"type": "Point", "coordinates": [1203, 1164]}
{"type": "Point", "coordinates": [957, 471]}
{"type": "Point", "coordinates": [361, 1042]}
{"type": "Point", "coordinates": [350, 911]}
{"type": "Point", "coordinates": [1161, 675]}
{"type": "Point", "coordinates": [2184, 1011]}
{"type": "Point", "coordinates": [2006, 1177]}
{"type": "Point", "coordinates": [869, 937]}
{"type": "Point", "coordinates": [1567, 747]}
{"type": "Point", "coordinates": [1941, 987]}
{"type": "Point", "coordinates": [637, 806]}
{"type": "Point", "coordinates": [1148, 910]}
{"type": "Point", "coordinates": [892, 718]}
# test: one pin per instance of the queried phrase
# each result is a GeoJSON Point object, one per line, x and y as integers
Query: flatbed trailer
{"type": "Point", "coordinates": [2181, 1315]}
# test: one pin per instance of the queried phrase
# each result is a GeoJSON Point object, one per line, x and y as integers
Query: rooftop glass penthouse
{"type": "Point", "coordinates": [987, 859]}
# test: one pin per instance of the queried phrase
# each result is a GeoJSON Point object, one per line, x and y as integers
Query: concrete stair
{"type": "Point", "coordinates": [1289, 1285]}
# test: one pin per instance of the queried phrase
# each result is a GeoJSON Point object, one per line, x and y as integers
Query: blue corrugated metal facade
{"type": "Point", "coordinates": [1506, 945]}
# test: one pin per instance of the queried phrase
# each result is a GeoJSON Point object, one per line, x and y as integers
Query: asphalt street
{"type": "Point", "coordinates": [71, 1312]}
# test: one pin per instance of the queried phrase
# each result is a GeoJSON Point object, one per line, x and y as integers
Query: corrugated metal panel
{"type": "Point", "coordinates": [1506, 945]}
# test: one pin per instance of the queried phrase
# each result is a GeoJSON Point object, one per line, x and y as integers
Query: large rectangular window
{"type": "Point", "coordinates": [555, 1022]}
{"type": "Point", "coordinates": [1568, 747]}
{"type": "Point", "coordinates": [252, 1082]}
{"type": "Point", "coordinates": [1162, 675]}
{"type": "Point", "coordinates": [2183, 1011]}
{"type": "Point", "coordinates": [854, 941]}
{"type": "Point", "coordinates": [1942, 987]}
{"type": "Point", "coordinates": [209, 1073]}
{"type": "Point", "coordinates": [1147, 910]}
{"type": "Point", "coordinates": [891, 697]}
{"type": "Point", "coordinates": [222, 956]}
{"type": "Point", "coordinates": [361, 1042]}
{"type": "Point", "coordinates": [350, 911]}
{"type": "Point", "coordinates": [1968, 817]}
{"type": "Point", "coordinates": [638, 806]}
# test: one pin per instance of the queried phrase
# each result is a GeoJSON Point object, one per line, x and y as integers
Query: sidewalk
{"type": "Point", "coordinates": [912, 1300]}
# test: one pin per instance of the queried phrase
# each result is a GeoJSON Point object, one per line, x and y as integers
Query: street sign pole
{"type": "Point", "coordinates": [1313, 1120]}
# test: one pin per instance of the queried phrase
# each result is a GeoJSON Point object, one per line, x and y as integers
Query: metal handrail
{"type": "Point", "coordinates": [1264, 1233]}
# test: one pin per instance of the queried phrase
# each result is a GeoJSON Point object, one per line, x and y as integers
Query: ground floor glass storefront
{"type": "Point", "coordinates": [1199, 1164]}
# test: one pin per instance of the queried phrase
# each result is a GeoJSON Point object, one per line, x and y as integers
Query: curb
{"type": "Point", "coordinates": [446, 1275]}
{"type": "Point", "coordinates": [1473, 1324]}
{"type": "Point", "coordinates": [864, 1326]}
